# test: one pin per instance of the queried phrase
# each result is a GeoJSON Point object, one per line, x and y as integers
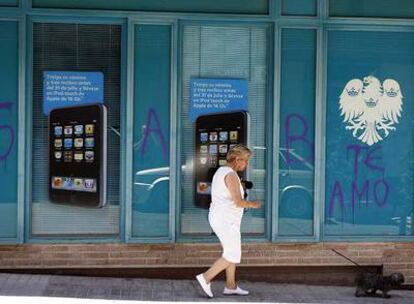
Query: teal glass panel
{"type": "Point", "coordinates": [369, 134]}
{"type": "Point", "coordinates": [297, 124]}
{"type": "Point", "coordinates": [9, 3]}
{"type": "Point", "coordinates": [75, 48]}
{"type": "Point", "coordinates": [151, 174]}
{"type": "Point", "coordinates": [299, 7]}
{"type": "Point", "coordinates": [193, 6]}
{"type": "Point", "coordinates": [372, 8]}
{"type": "Point", "coordinates": [8, 128]}
{"type": "Point", "coordinates": [233, 52]}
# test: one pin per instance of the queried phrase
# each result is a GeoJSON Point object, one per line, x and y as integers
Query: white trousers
{"type": "Point", "coordinates": [227, 228]}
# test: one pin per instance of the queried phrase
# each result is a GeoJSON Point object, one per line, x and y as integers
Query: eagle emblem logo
{"type": "Point", "coordinates": [371, 109]}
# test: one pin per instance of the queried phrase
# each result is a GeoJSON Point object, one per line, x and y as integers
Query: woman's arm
{"type": "Point", "coordinates": [233, 184]}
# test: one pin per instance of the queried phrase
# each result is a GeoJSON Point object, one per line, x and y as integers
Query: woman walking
{"type": "Point", "coordinates": [226, 212]}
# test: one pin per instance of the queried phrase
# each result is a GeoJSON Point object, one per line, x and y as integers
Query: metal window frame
{"type": "Point", "coordinates": [25, 15]}
{"type": "Point", "coordinates": [12, 17]}
{"type": "Point", "coordinates": [28, 237]}
{"type": "Point", "coordinates": [269, 98]}
{"type": "Point", "coordinates": [132, 23]}
{"type": "Point", "coordinates": [317, 176]}
{"type": "Point", "coordinates": [396, 27]}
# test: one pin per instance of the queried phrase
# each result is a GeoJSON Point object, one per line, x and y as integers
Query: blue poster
{"type": "Point", "coordinates": [66, 89]}
{"type": "Point", "coordinates": [217, 96]}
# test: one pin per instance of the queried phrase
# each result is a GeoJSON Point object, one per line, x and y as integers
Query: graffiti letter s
{"type": "Point", "coordinates": [9, 129]}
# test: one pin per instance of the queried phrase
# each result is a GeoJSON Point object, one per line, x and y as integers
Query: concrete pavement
{"type": "Point", "coordinates": [48, 289]}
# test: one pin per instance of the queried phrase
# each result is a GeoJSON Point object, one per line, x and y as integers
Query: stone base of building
{"type": "Point", "coordinates": [310, 275]}
{"type": "Point", "coordinates": [313, 263]}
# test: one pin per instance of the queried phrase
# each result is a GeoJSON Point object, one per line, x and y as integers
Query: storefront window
{"type": "Point", "coordinates": [9, 52]}
{"type": "Point", "coordinates": [232, 62]}
{"type": "Point", "coordinates": [9, 3]}
{"type": "Point", "coordinates": [73, 65]}
{"type": "Point", "coordinates": [299, 7]}
{"type": "Point", "coordinates": [372, 8]}
{"type": "Point", "coordinates": [369, 134]}
{"type": "Point", "coordinates": [200, 6]}
{"type": "Point", "coordinates": [297, 125]}
{"type": "Point", "coordinates": [151, 174]}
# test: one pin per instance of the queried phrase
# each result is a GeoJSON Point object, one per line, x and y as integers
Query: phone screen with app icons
{"type": "Point", "coordinates": [215, 134]}
{"type": "Point", "coordinates": [77, 155]}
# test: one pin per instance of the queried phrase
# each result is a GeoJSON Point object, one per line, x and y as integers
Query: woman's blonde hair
{"type": "Point", "coordinates": [236, 152]}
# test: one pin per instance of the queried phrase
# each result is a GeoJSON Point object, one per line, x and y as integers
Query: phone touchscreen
{"type": "Point", "coordinates": [215, 135]}
{"type": "Point", "coordinates": [77, 155]}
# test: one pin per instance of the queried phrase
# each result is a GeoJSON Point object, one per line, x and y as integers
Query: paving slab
{"type": "Point", "coordinates": [45, 289]}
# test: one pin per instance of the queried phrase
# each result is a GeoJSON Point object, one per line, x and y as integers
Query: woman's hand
{"type": "Point", "coordinates": [254, 204]}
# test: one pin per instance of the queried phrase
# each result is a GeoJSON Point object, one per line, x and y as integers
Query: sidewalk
{"type": "Point", "coordinates": [48, 289]}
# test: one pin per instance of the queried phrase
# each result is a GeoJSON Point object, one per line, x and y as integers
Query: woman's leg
{"type": "Point", "coordinates": [231, 276]}
{"type": "Point", "coordinates": [215, 269]}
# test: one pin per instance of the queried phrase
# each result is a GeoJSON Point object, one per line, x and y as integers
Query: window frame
{"type": "Point", "coordinates": [269, 105]}
{"type": "Point", "coordinates": [29, 238]}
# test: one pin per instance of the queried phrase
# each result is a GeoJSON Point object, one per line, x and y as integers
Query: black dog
{"type": "Point", "coordinates": [369, 283]}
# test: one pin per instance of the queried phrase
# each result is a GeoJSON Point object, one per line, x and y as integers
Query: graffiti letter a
{"type": "Point", "coordinates": [337, 194]}
{"type": "Point", "coordinates": [153, 118]}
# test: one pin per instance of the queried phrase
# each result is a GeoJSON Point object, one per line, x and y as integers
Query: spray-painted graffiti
{"type": "Point", "coordinates": [6, 134]}
{"type": "Point", "coordinates": [361, 190]}
{"type": "Point", "coordinates": [375, 189]}
{"type": "Point", "coordinates": [153, 125]}
{"type": "Point", "coordinates": [300, 138]}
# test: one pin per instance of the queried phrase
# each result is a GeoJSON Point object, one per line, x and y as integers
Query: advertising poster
{"type": "Point", "coordinates": [73, 102]}
{"type": "Point", "coordinates": [219, 112]}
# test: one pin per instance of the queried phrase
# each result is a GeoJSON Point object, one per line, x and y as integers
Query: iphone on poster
{"type": "Point", "coordinates": [215, 134]}
{"type": "Point", "coordinates": [77, 155]}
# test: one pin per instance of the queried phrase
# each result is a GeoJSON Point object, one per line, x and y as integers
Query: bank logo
{"type": "Point", "coordinates": [371, 109]}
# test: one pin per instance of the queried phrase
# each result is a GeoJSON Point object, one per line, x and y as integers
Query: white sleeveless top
{"type": "Point", "coordinates": [221, 200]}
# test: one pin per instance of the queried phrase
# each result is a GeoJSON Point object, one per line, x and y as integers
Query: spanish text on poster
{"type": "Point", "coordinates": [217, 96]}
{"type": "Point", "coordinates": [66, 89]}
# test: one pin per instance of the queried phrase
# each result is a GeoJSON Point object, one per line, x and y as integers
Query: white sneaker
{"type": "Point", "coordinates": [238, 291]}
{"type": "Point", "coordinates": [204, 285]}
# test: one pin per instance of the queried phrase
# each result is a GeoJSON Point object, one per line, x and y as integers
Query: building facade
{"type": "Point", "coordinates": [325, 88]}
